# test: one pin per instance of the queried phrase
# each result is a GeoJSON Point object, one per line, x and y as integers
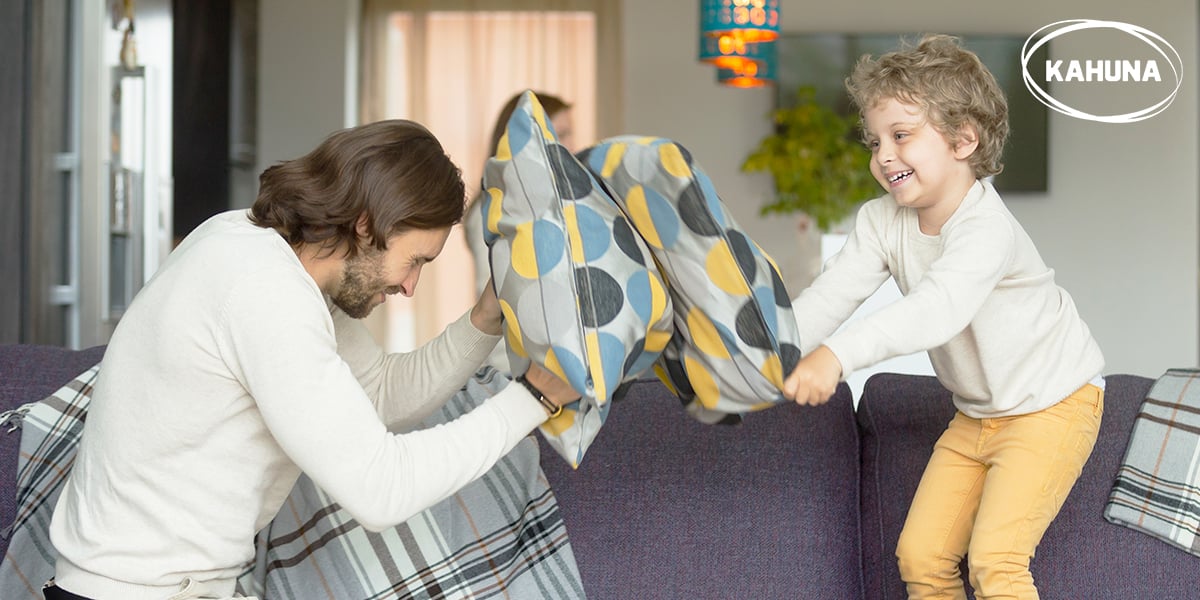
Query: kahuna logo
{"type": "Point", "coordinates": [1162, 68]}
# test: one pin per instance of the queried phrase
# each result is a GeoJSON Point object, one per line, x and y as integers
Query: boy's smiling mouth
{"type": "Point", "coordinates": [898, 177]}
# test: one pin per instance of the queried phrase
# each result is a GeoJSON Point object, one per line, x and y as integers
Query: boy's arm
{"type": "Point", "coordinates": [976, 253]}
{"type": "Point", "coordinates": [846, 281]}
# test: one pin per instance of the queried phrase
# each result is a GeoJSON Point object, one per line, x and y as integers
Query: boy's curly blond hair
{"type": "Point", "coordinates": [949, 84]}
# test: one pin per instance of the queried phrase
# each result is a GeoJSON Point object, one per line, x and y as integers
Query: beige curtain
{"type": "Point", "coordinates": [451, 65]}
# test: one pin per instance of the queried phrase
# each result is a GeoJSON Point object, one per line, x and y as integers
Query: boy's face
{"type": "Point", "coordinates": [916, 163]}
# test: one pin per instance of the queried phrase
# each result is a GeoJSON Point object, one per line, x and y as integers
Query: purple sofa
{"type": "Point", "coordinates": [794, 503]}
{"type": "Point", "coordinates": [808, 503]}
{"type": "Point", "coordinates": [27, 374]}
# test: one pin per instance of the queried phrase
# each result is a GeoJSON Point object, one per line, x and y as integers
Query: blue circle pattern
{"type": "Point", "coordinates": [637, 290]}
{"type": "Point", "coordinates": [710, 196]}
{"type": "Point", "coordinates": [519, 132]}
{"type": "Point", "coordinates": [664, 216]}
{"type": "Point", "coordinates": [548, 241]}
{"type": "Point", "coordinates": [765, 297]}
{"type": "Point", "coordinates": [594, 231]}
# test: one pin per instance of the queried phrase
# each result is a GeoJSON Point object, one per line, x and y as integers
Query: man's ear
{"type": "Point", "coordinates": [968, 141]}
{"type": "Point", "coordinates": [362, 228]}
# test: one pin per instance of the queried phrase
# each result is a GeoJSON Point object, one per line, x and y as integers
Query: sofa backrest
{"type": "Point", "coordinates": [663, 506]}
{"type": "Point", "coordinates": [1081, 556]}
{"type": "Point", "coordinates": [29, 373]}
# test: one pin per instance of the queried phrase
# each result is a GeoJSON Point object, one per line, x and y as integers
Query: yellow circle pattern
{"type": "Point", "coordinates": [494, 210]}
{"type": "Point", "coordinates": [512, 330]}
{"type": "Point", "coordinates": [503, 152]}
{"type": "Point", "coordinates": [561, 423]}
{"type": "Point", "coordinates": [553, 365]}
{"type": "Point", "coordinates": [574, 236]}
{"type": "Point", "coordinates": [772, 369]}
{"type": "Point", "coordinates": [705, 335]}
{"type": "Point", "coordinates": [639, 213]}
{"type": "Point", "coordinates": [702, 383]}
{"type": "Point", "coordinates": [724, 272]}
{"type": "Point", "coordinates": [612, 159]}
{"type": "Point", "coordinates": [672, 160]}
{"type": "Point", "coordinates": [596, 366]}
{"type": "Point", "coordinates": [524, 256]}
{"type": "Point", "coordinates": [658, 300]}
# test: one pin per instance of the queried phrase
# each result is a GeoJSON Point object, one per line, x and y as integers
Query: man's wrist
{"type": "Point", "coordinates": [552, 409]}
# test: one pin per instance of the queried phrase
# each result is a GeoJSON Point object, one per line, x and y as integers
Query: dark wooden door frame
{"type": "Point", "coordinates": [14, 86]}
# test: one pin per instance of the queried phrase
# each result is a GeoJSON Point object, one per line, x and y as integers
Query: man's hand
{"type": "Point", "coordinates": [815, 378]}
{"type": "Point", "coordinates": [485, 315]}
{"type": "Point", "coordinates": [554, 389]}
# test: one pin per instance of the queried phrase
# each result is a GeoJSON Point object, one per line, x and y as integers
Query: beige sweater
{"type": "Point", "coordinates": [228, 376]}
{"type": "Point", "coordinates": [1001, 335]}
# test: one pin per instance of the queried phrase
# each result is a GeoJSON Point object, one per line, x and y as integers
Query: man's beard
{"type": "Point", "coordinates": [362, 280]}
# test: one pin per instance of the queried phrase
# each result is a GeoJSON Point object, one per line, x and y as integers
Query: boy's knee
{"type": "Point", "coordinates": [1001, 575]}
{"type": "Point", "coordinates": [919, 562]}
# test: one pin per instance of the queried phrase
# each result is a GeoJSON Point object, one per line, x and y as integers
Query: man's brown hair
{"type": "Point", "coordinates": [393, 173]}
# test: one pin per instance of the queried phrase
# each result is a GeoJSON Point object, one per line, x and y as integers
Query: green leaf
{"type": "Point", "coordinates": [816, 160]}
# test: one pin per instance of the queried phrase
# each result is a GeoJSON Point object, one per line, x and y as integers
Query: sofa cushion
{"type": "Point", "coordinates": [736, 335]}
{"type": "Point", "coordinates": [1081, 556]}
{"type": "Point", "coordinates": [29, 373]}
{"type": "Point", "coordinates": [1157, 489]}
{"type": "Point", "coordinates": [668, 507]}
{"type": "Point", "coordinates": [577, 287]}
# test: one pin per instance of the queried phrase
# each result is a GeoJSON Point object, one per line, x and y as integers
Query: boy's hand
{"type": "Point", "coordinates": [815, 378]}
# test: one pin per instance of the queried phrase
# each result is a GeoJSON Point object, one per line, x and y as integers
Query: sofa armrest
{"type": "Point", "coordinates": [29, 373]}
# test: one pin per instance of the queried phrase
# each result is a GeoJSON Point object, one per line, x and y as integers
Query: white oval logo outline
{"type": "Point", "coordinates": [1072, 25]}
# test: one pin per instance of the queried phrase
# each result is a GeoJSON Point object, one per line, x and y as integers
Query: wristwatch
{"type": "Point", "coordinates": [550, 407]}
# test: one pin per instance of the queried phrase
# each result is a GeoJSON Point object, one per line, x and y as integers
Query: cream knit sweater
{"type": "Point", "coordinates": [228, 376]}
{"type": "Point", "coordinates": [1001, 335]}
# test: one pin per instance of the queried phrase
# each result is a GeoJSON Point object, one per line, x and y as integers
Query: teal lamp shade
{"type": "Point", "coordinates": [747, 20]}
{"type": "Point", "coordinates": [730, 52]}
{"type": "Point", "coordinates": [752, 74]}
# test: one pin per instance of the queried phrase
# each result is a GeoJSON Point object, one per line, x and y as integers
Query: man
{"type": "Point", "coordinates": [241, 365]}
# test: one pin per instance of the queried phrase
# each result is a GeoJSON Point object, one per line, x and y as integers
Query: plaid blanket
{"type": "Point", "coordinates": [500, 537]}
{"type": "Point", "coordinates": [1157, 489]}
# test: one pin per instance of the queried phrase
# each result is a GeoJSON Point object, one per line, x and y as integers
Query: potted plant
{"type": "Point", "coordinates": [818, 163]}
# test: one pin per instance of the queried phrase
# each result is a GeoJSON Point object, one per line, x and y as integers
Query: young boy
{"type": "Point", "coordinates": [1001, 335]}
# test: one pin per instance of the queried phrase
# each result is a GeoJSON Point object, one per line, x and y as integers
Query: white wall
{"type": "Point", "coordinates": [1119, 224]}
{"type": "Point", "coordinates": [307, 52]}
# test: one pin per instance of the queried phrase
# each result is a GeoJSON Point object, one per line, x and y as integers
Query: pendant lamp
{"type": "Point", "coordinates": [752, 74]}
{"type": "Point", "coordinates": [730, 52]}
{"type": "Point", "coordinates": [747, 20]}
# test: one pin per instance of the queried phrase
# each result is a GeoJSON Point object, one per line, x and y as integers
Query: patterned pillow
{"type": "Point", "coordinates": [737, 336]}
{"type": "Point", "coordinates": [577, 286]}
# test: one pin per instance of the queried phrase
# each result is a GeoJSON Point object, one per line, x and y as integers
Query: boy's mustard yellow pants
{"type": "Point", "coordinates": [990, 490]}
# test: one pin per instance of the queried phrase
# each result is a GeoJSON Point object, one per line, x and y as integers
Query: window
{"type": "Point", "coordinates": [452, 69]}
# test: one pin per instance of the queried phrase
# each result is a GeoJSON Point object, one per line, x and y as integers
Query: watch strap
{"type": "Point", "coordinates": [553, 409]}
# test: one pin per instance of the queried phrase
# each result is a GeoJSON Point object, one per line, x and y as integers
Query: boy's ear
{"type": "Point", "coordinates": [968, 141]}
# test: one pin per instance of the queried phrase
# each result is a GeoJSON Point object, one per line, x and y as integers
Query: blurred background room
{"type": "Point", "coordinates": [126, 123]}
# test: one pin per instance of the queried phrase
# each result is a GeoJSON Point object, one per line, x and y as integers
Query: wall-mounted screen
{"type": "Point", "coordinates": [823, 60]}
